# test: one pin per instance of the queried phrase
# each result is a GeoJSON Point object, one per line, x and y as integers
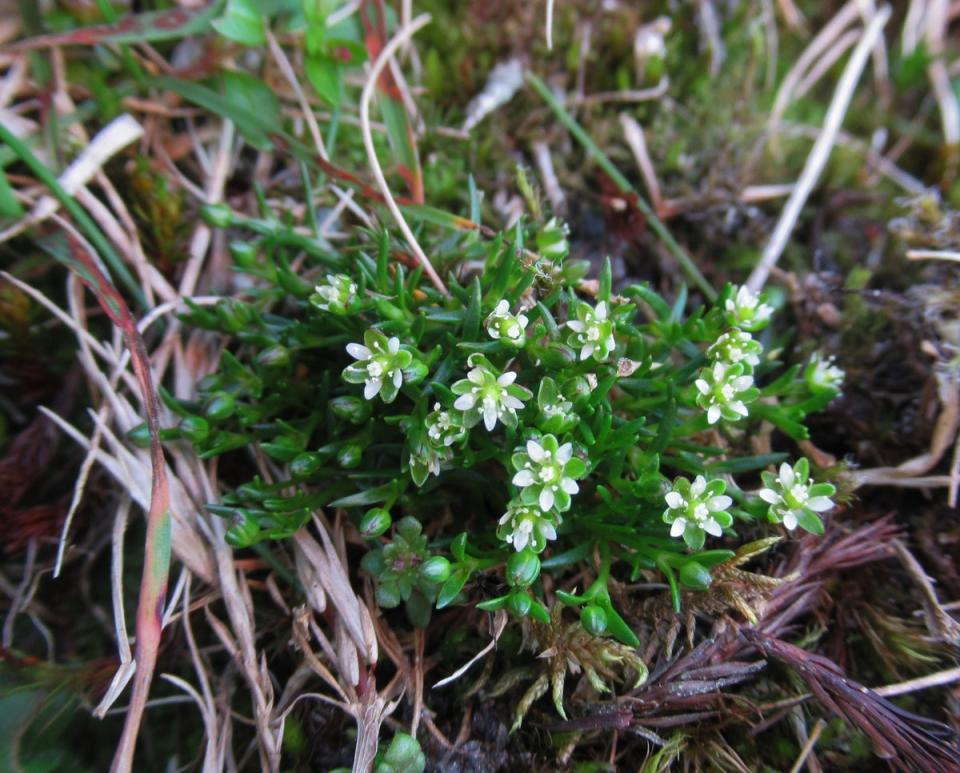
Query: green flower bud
{"type": "Point", "coordinates": [305, 464]}
{"type": "Point", "coordinates": [140, 436]}
{"type": "Point", "coordinates": [576, 388]}
{"type": "Point", "coordinates": [375, 523]}
{"type": "Point", "coordinates": [274, 357]}
{"type": "Point", "coordinates": [356, 410]}
{"type": "Point", "coordinates": [350, 455]}
{"type": "Point", "coordinates": [404, 754]}
{"type": "Point", "coordinates": [435, 569]}
{"type": "Point", "coordinates": [221, 407]}
{"type": "Point", "coordinates": [522, 569]}
{"type": "Point", "coordinates": [695, 576]}
{"type": "Point", "coordinates": [243, 253]}
{"type": "Point", "coordinates": [234, 315]}
{"type": "Point", "coordinates": [243, 532]}
{"type": "Point", "coordinates": [195, 429]}
{"type": "Point", "coordinates": [519, 603]}
{"type": "Point", "coordinates": [216, 215]}
{"type": "Point", "coordinates": [593, 619]}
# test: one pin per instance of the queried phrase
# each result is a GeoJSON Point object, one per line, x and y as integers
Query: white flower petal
{"type": "Point", "coordinates": [738, 407]}
{"type": "Point", "coordinates": [698, 486]}
{"type": "Point", "coordinates": [601, 311]}
{"type": "Point", "coordinates": [535, 451]}
{"type": "Point", "coordinates": [575, 325]}
{"type": "Point", "coordinates": [820, 504]}
{"type": "Point", "coordinates": [710, 526]}
{"type": "Point", "coordinates": [587, 350]}
{"type": "Point", "coordinates": [742, 382]}
{"type": "Point", "coordinates": [719, 503]}
{"type": "Point", "coordinates": [790, 521]}
{"type": "Point", "coordinates": [546, 499]}
{"type": "Point", "coordinates": [507, 378]}
{"type": "Point", "coordinates": [523, 478]}
{"type": "Point", "coordinates": [371, 388]}
{"type": "Point", "coordinates": [713, 414]}
{"type": "Point", "coordinates": [397, 377]}
{"type": "Point", "coordinates": [769, 495]}
{"type": "Point", "coordinates": [675, 500]}
{"type": "Point", "coordinates": [475, 376]}
{"type": "Point", "coordinates": [548, 531]}
{"type": "Point", "coordinates": [569, 485]}
{"type": "Point", "coordinates": [393, 345]}
{"type": "Point", "coordinates": [465, 402]}
{"type": "Point", "coordinates": [509, 401]}
{"type": "Point", "coordinates": [503, 308]}
{"type": "Point", "coordinates": [677, 527]}
{"type": "Point", "coordinates": [564, 453]}
{"type": "Point", "coordinates": [702, 386]}
{"type": "Point", "coordinates": [489, 415]}
{"type": "Point", "coordinates": [359, 352]}
{"type": "Point", "coordinates": [786, 475]}
{"type": "Point", "coordinates": [520, 540]}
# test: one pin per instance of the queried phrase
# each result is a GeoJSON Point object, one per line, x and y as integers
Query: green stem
{"type": "Point", "coordinates": [685, 261]}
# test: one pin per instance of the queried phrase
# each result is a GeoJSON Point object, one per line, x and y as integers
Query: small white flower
{"type": "Point", "coordinates": [443, 427]}
{"type": "Point", "coordinates": [736, 346]}
{"type": "Point", "coordinates": [592, 331]}
{"type": "Point", "coordinates": [697, 508]}
{"type": "Point", "coordinates": [746, 311]}
{"type": "Point", "coordinates": [822, 375]}
{"type": "Point", "coordinates": [794, 499]}
{"type": "Point", "coordinates": [335, 294]}
{"type": "Point", "coordinates": [548, 473]}
{"type": "Point", "coordinates": [526, 526]}
{"type": "Point", "coordinates": [380, 365]}
{"type": "Point", "coordinates": [488, 394]}
{"type": "Point", "coordinates": [503, 326]}
{"type": "Point", "coordinates": [724, 390]}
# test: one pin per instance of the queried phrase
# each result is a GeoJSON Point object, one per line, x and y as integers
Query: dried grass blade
{"type": "Point", "coordinates": [156, 567]}
{"type": "Point", "coordinates": [399, 129]}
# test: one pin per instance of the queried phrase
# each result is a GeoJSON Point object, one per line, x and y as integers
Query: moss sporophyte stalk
{"type": "Point", "coordinates": [530, 423]}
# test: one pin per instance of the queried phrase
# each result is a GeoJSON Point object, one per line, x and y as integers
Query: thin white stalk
{"type": "Point", "coordinates": [367, 95]}
{"type": "Point", "coordinates": [821, 151]}
{"type": "Point", "coordinates": [933, 255]}
{"type": "Point", "coordinates": [830, 32]}
{"type": "Point", "coordinates": [633, 134]}
{"type": "Point", "coordinates": [549, 25]}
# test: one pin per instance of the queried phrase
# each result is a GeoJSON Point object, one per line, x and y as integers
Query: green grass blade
{"type": "Point", "coordinates": [685, 261]}
{"type": "Point", "coordinates": [83, 220]}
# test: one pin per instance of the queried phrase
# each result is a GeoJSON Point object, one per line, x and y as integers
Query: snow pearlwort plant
{"type": "Point", "coordinates": [528, 423]}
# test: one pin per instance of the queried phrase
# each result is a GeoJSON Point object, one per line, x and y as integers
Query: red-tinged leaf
{"type": "Point", "coordinates": [148, 27]}
{"type": "Point", "coordinates": [399, 130]}
{"type": "Point", "coordinates": [156, 565]}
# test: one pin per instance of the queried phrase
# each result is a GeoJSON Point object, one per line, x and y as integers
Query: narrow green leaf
{"type": "Point", "coordinates": [471, 320]}
{"type": "Point", "coordinates": [242, 23]}
{"type": "Point", "coordinates": [9, 206]}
